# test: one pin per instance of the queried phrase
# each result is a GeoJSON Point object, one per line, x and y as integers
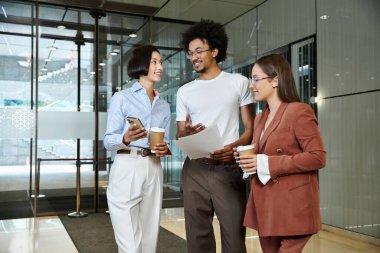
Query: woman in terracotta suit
{"type": "Point", "coordinates": [283, 205]}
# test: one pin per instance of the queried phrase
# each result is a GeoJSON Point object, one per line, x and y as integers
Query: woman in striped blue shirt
{"type": "Point", "coordinates": [134, 191]}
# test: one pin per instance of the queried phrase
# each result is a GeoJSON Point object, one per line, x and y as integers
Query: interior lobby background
{"type": "Point", "coordinates": [348, 94]}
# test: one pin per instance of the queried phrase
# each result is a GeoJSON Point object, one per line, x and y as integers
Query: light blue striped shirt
{"type": "Point", "coordinates": [134, 102]}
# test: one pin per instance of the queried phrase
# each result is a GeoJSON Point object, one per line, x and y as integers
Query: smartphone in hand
{"type": "Point", "coordinates": [134, 120]}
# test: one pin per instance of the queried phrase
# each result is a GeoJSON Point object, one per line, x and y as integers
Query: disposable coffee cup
{"type": "Point", "coordinates": [246, 150]}
{"type": "Point", "coordinates": [156, 136]}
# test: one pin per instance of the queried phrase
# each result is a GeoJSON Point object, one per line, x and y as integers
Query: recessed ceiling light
{"type": "Point", "coordinates": [324, 17]}
{"type": "Point", "coordinates": [23, 63]}
{"type": "Point", "coordinates": [116, 50]}
{"type": "Point", "coordinates": [47, 59]}
{"type": "Point", "coordinates": [85, 80]}
{"type": "Point", "coordinates": [315, 100]}
{"type": "Point", "coordinates": [92, 72]}
{"type": "Point", "coordinates": [113, 53]}
{"type": "Point", "coordinates": [102, 64]}
{"type": "Point", "coordinates": [61, 27]}
{"type": "Point", "coordinates": [5, 14]}
{"type": "Point", "coordinates": [39, 196]}
{"type": "Point", "coordinates": [133, 35]}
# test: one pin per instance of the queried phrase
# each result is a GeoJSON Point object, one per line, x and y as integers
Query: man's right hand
{"type": "Point", "coordinates": [133, 134]}
{"type": "Point", "coordinates": [190, 129]}
{"type": "Point", "coordinates": [185, 128]}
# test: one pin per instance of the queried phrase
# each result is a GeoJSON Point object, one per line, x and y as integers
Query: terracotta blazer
{"type": "Point", "coordinates": [289, 203]}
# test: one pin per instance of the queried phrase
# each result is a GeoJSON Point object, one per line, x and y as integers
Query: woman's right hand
{"type": "Point", "coordinates": [133, 134]}
{"type": "Point", "coordinates": [248, 163]}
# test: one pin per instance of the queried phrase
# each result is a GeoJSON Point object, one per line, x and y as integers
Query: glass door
{"type": "Point", "coordinates": [16, 103]}
{"type": "Point", "coordinates": [304, 70]}
{"type": "Point", "coordinates": [59, 68]}
{"type": "Point", "coordinates": [65, 109]}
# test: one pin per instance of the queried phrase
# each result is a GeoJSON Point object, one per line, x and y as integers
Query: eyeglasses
{"type": "Point", "coordinates": [254, 80]}
{"type": "Point", "coordinates": [197, 53]}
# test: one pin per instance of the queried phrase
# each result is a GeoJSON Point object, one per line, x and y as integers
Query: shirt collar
{"type": "Point", "coordinates": [137, 87]}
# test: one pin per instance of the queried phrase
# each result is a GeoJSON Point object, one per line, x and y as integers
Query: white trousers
{"type": "Point", "coordinates": [134, 197]}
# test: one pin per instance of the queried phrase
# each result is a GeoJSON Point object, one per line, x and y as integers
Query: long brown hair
{"type": "Point", "coordinates": [274, 65]}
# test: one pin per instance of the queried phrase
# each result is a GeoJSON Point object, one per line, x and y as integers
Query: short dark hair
{"type": "Point", "coordinates": [139, 63]}
{"type": "Point", "coordinates": [211, 32]}
{"type": "Point", "coordinates": [274, 65]}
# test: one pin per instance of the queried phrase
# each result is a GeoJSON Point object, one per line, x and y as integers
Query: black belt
{"type": "Point", "coordinates": [141, 151]}
{"type": "Point", "coordinates": [211, 161]}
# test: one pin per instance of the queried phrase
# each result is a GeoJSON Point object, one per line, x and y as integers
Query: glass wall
{"type": "Point", "coordinates": [63, 57]}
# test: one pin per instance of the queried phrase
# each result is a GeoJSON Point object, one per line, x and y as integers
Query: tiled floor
{"type": "Point", "coordinates": [42, 235]}
{"type": "Point", "coordinates": [47, 234]}
{"type": "Point", "coordinates": [323, 242]}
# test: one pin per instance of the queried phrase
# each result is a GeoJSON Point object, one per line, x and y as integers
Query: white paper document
{"type": "Point", "coordinates": [201, 144]}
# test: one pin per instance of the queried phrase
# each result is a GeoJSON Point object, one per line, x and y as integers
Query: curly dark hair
{"type": "Point", "coordinates": [210, 31]}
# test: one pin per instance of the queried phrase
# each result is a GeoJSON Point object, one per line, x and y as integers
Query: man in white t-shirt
{"type": "Point", "coordinates": [213, 185]}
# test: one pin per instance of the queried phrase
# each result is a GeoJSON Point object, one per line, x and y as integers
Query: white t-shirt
{"type": "Point", "coordinates": [215, 102]}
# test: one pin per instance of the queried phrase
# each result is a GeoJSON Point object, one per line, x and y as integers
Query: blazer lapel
{"type": "Point", "coordinates": [257, 131]}
{"type": "Point", "coordinates": [273, 125]}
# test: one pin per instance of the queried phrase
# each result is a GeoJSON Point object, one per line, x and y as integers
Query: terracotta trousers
{"type": "Point", "coordinates": [284, 244]}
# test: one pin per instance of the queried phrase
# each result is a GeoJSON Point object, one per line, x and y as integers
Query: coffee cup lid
{"type": "Point", "coordinates": [157, 129]}
{"type": "Point", "coordinates": [247, 147]}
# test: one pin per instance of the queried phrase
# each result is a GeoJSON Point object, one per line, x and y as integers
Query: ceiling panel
{"type": "Point", "coordinates": [152, 3]}
{"type": "Point", "coordinates": [222, 11]}
{"type": "Point", "coordinates": [120, 6]}
{"type": "Point", "coordinates": [252, 3]}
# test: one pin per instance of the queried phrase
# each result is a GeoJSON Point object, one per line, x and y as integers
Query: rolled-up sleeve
{"type": "Point", "coordinates": [263, 168]}
{"type": "Point", "coordinates": [167, 122]}
{"type": "Point", "coordinates": [113, 138]}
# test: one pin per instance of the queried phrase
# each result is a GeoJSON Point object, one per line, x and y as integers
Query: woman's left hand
{"type": "Point", "coordinates": [161, 149]}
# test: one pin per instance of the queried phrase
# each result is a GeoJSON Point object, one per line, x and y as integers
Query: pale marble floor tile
{"type": "Point", "coordinates": [35, 235]}
{"type": "Point", "coordinates": [324, 242]}
{"type": "Point", "coordinates": [47, 234]}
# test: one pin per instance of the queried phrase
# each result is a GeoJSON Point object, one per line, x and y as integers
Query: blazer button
{"type": "Point", "coordinates": [279, 150]}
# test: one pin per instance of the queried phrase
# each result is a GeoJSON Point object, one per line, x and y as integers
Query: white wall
{"type": "Point", "coordinates": [284, 21]}
{"type": "Point", "coordinates": [348, 64]}
{"type": "Point", "coordinates": [271, 25]}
